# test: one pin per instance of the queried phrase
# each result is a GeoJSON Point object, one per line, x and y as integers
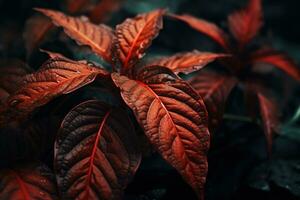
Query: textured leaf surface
{"type": "Point", "coordinates": [11, 74]}
{"type": "Point", "coordinates": [95, 152]}
{"type": "Point", "coordinates": [214, 89]}
{"type": "Point", "coordinates": [187, 62]}
{"type": "Point", "coordinates": [277, 59]}
{"type": "Point", "coordinates": [135, 35]}
{"type": "Point", "coordinates": [97, 37]}
{"type": "Point", "coordinates": [174, 119]}
{"type": "Point", "coordinates": [28, 183]}
{"type": "Point", "coordinates": [269, 115]}
{"type": "Point", "coordinates": [245, 24]}
{"type": "Point", "coordinates": [56, 77]}
{"type": "Point", "coordinates": [205, 27]}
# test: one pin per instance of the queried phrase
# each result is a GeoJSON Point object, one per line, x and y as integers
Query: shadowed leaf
{"type": "Point", "coordinates": [214, 89]}
{"type": "Point", "coordinates": [95, 152]}
{"type": "Point", "coordinates": [277, 59]}
{"type": "Point", "coordinates": [269, 115]}
{"type": "Point", "coordinates": [205, 27]}
{"type": "Point", "coordinates": [174, 119]}
{"type": "Point", "coordinates": [28, 183]}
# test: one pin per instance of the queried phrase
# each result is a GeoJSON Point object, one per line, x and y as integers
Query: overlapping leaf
{"type": "Point", "coordinates": [11, 74]}
{"type": "Point", "coordinates": [269, 115]}
{"type": "Point", "coordinates": [277, 59]}
{"type": "Point", "coordinates": [187, 62]}
{"type": "Point", "coordinates": [97, 37]}
{"type": "Point", "coordinates": [96, 152]}
{"type": "Point", "coordinates": [135, 35]}
{"type": "Point", "coordinates": [30, 182]}
{"type": "Point", "coordinates": [205, 27]}
{"type": "Point", "coordinates": [245, 24]}
{"type": "Point", "coordinates": [173, 117]}
{"type": "Point", "coordinates": [214, 89]}
{"type": "Point", "coordinates": [56, 77]}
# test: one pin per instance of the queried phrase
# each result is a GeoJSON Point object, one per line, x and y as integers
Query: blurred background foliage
{"type": "Point", "coordinates": [239, 167]}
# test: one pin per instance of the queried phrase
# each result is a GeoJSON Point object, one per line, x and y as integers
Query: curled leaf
{"type": "Point", "coordinates": [97, 37]}
{"type": "Point", "coordinates": [135, 35]}
{"type": "Point", "coordinates": [29, 182]}
{"type": "Point", "coordinates": [187, 62]}
{"type": "Point", "coordinates": [245, 24]}
{"type": "Point", "coordinates": [208, 28]}
{"type": "Point", "coordinates": [174, 119]}
{"type": "Point", "coordinates": [214, 89]}
{"type": "Point", "coordinates": [95, 152]}
{"type": "Point", "coordinates": [56, 77]}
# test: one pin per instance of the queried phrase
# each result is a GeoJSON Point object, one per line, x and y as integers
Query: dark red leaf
{"type": "Point", "coordinates": [104, 9]}
{"type": "Point", "coordinates": [245, 24]}
{"type": "Point", "coordinates": [97, 37]}
{"type": "Point", "coordinates": [11, 74]}
{"type": "Point", "coordinates": [208, 28]}
{"type": "Point", "coordinates": [187, 62]}
{"type": "Point", "coordinates": [279, 60]}
{"type": "Point", "coordinates": [174, 119]}
{"type": "Point", "coordinates": [135, 35]}
{"type": "Point", "coordinates": [56, 77]}
{"type": "Point", "coordinates": [35, 32]}
{"type": "Point", "coordinates": [269, 115]}
{"type": "Point", "coordinates": [28, 183]}
{"type": "Point", "coordinates": [96, 152]}
{"type": "Point", "coordinates": [214, 89]}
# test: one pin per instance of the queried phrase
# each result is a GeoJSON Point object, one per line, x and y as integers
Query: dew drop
{"type": "Point", "coordinates": [14, 102]}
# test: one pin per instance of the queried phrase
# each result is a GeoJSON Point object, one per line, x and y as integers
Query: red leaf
{"type": "Point", "coordinates": [36, 30]}
{"type": "Point", "coordinates": [97, 37]}
{"type": "Point", "coordinates": [214, 89]}
{"type": "Point", "coordinates": [277, 59]}
{"type": "Point", "coordinates": [56, 77]}
{"type": "Point", "coordinates": [11, 74]}
{"type": "Point", "coordinates": [245, 24]}
{"type": "Point", "coordinates": [208, 28]}
{"type": "Point", "coordinates": [30, 182]}
{"type": "Point", "coordinates": [174, 119]}
{"type": "Point", "coordinates": [187, 62]}
{"type": "Point", "coordinates": [95, 152]}
{"type": "Point", "coordinates": [269, 115]}
{"type": "Point", "coordinates": [135, 35]}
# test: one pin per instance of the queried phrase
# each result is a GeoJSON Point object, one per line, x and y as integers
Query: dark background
{"type": "Point", "coordinates": [239, 168]}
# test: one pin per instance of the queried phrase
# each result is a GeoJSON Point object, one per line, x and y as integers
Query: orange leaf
{"type": "Point", "coordinates": [214, 89]}
{"type": "Point", "coordinates": [96, 152]}
{"type": "Point", "coordinates": [269, 115]}
{"type": "Point", "coordinates": [187, 62]}
{"type": "Point", "coordinates": [208, 28]}
{"type": "Point", "coordinates": [135, 35]}
{"type": "Point", "coordinates": [277, 59]}
{"type": "Point", "coordinates": [97, 37]}
{"type": "Point", "coordinates": [56, 77]}
{"type": "Point", "coordinates": [174, 119]}
{"type": "Point", "coordinates": [245, 24]}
